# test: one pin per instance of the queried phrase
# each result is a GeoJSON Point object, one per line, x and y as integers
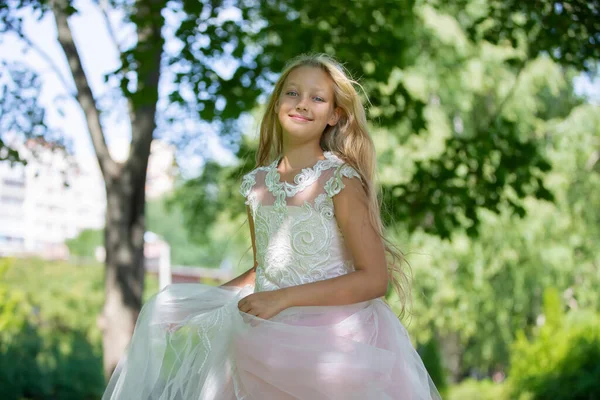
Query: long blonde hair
{"type": "Point", "coordinates": [349, 139]}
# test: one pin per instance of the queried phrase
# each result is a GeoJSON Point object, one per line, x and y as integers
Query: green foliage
{"type": "Point", "coordinates": [84, 245]}
{"type": "Point", "coordinates": [486, 289]}
{"type": "Point", "coordinates": [50, 346]}
{"type": "Point", "coordinates": [47, 348]}
{"type": "Point", "coordinates": [567, 31]}
{"type": "Point", "coordinates": [167, 220]}
{"type": "Point", "coordinates": [432, 359]}
{"type": "Point", "coordinates": [214, 213]}
{"type": "Point", "coordinates": [562, 359]}
{"type": "Point", "coordinates": [458, 116]}
{"type": "Point", "coordinates": [480, 390]}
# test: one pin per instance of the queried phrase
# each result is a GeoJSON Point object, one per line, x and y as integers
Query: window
{"type": "Point", "coordinates": [11, 200]}
{"type": "Point", "coordinates": [14, 183]}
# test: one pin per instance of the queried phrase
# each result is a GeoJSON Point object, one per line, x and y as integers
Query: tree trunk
{"type": "Point", "coordinates": [124, 278]}
{"type": "Point", "coordinates": [125, 183]}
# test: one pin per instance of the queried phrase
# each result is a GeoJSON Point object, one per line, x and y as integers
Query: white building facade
{"type": "Point", "coordinates": [53, 198]}
{"type": "Point", "coordinates": [46, 202]}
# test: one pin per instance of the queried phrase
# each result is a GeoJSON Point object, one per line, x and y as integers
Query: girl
{"type": "Point", "coordinates": [307, 320]}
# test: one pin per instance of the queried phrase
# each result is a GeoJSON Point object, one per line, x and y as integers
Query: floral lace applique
{"type": "Point", "coordinates": [307, 177]}
{"type": "Point", "coordinates": [335, 184]}
{"type": "Point", "coordinates": [298, 244]}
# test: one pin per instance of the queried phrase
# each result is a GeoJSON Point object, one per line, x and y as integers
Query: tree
{"type": "Point", "coordinates": [566, 31]}
{"type": "Point", "coordinates": [408, 64]}
{"type": "Point", "coordinates": [136, 83]}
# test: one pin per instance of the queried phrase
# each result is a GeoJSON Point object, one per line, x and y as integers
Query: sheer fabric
{"type": "Point", "coordinates": [191, 341]}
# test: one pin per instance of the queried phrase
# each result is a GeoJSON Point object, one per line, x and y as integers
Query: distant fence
{"type": "Point", "coordinates": [157, 254]}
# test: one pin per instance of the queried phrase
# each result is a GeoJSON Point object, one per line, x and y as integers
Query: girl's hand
{"type": "Point", "coordinates": [264, 305]}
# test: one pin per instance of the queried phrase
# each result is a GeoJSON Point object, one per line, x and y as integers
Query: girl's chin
{"type": "Point", "coordinates": [298, 135]}
{"type": "Point", "coordinates": [295, 132]}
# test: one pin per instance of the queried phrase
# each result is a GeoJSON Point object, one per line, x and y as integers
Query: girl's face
{"type": "Point", "coordinates": [306, 104]}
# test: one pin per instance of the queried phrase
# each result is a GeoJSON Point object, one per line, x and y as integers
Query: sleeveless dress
{"type": "Point", "coordinates": [192, 342]}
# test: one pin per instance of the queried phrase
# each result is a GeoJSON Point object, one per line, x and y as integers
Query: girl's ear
{"type": "Point", "coordinates": [335, 116]}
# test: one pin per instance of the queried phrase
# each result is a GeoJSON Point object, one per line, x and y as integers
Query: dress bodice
{"type": "Point", "coordinates": [296, 234]}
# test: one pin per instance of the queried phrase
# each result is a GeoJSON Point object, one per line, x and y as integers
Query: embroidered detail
{"type": "Point", "coordinates": [306, 177]}
{"type": "Point", "coordinates": [248, 181]}
{"type": "Point", "coordinates": [302, 243]}
{"type": "Point", "coordinates": [335, 184]}
{"type": "Point", "coordinates": [304, 246]}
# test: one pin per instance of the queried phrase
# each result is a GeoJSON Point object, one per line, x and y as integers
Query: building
{"type": "Point", "coordinates": [54, 197]}
{"type": "Point", "coordinates": [49, 200]}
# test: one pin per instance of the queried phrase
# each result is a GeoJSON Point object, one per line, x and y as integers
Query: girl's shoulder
{"type": "Point", "coordinates": [249, 180]}
{"type": "Point", "coordinates": [334, 167]}
{"type": "Point", "coordinates": [342, 172]}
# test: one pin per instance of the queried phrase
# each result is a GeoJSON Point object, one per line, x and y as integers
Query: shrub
{"type": "Point", "coordinates": [480, 390]}
{"type": "Point", "coordinates": [430, 354]}
{"type": "Point", "coordinates": [43, 355]}
{"type": "Point", "coordinates": [562, 359]}
{"type": "Point", "coordinates": [50, 346]}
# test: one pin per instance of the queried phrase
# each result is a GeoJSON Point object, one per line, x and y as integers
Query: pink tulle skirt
{"type": "Point", "coordinates": [192, 342]}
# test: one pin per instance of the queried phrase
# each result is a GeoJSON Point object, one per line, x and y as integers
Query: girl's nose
{"type": "Point", "coordinates": [301, 104]}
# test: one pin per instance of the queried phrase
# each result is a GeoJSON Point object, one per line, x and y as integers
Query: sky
{"type": "Point", "coordinates": [99, 57]}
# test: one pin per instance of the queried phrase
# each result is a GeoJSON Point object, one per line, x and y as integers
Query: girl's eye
{"type": "Point", "coordinates": [319, 99]}
{"type": "Point", "coordinates": [292, 93]}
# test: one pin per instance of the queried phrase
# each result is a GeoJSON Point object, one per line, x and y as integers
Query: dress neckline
{"type": "Point", "coordinates": [306, 177]}
{"type": "Point", "coordinates": [301, 176]}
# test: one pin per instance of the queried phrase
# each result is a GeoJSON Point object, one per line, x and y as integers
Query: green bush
{"type": "Point", "coordinates": [50, 345]}
{"type": "Point", "coordinates": [46, 351]}
{"type": "Point", "coordinates": [562, 360]}
{"type": "Point", "coordinates": [84, 245]}
{"type": "Point", "coordinates": [471, 389]}
{"type": "Point", "coordinates": [430, 354]}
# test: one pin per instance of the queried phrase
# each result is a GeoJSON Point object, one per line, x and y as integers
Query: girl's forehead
{"type": "Point", "coordinates": [310, 77]}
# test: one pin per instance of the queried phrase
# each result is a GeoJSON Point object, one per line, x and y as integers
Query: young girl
{"type": "Point", "coordinates": [307, 320]}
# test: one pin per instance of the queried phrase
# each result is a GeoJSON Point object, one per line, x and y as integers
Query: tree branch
{"type": "Point", "coordinates": [85, 96]}
{"type": "Point", "coordinates": [103, 5]}
{"type": "Point", "coordinates": [45, 56]}
{"type": "Point", "coordinates": [148, 54]}
{"type": "Point", "coordinates": [510, 93]}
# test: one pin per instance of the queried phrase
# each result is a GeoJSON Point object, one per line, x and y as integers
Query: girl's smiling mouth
{"type": "Point", "coordinates": [299, 117]}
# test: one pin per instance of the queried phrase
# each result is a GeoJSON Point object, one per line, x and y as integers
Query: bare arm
{"type": "Point", "coordinates": [370, 278]}
{"type": "Point", "coordinates": [247, 278]}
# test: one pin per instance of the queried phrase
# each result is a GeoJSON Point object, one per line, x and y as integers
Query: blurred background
{"type": "Point", "coordinates": [125, 127]}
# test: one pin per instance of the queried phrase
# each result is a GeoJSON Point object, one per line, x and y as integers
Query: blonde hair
{"type": "Point", "coordinates": [349, 139]}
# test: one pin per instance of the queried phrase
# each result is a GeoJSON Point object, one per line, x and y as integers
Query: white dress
{"type": "Point", "coordinates": [192, 342]}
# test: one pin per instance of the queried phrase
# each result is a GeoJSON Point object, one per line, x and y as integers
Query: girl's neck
{"type": "Point", "coordinates": [299, 157]}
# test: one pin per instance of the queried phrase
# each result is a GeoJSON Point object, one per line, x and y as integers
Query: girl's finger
{"type": "Point", "coordinates": [244, 305]}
